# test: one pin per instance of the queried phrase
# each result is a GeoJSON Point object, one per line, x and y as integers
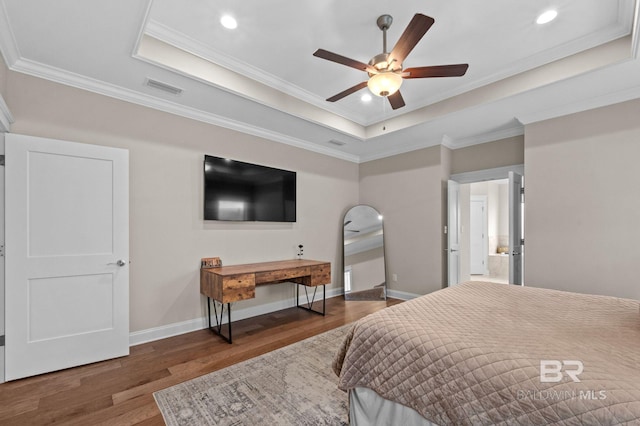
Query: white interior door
{"type": "Point", "coordinates": [67, 251]}
{"type": "Point", "coordinates": [478, 235]}
{"type": "Point", "coordinates": [2, 243]}
{"type": "Point", "coordinates": [453, 232]}
{"type": "Point", "coordinates": [515, 228]}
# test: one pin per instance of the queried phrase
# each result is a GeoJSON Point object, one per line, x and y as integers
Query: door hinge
{"type": "Point", "coordinates": [2, 250]}
{"type": "Point", "coordinates": [2, 160]}
{"type": "Point", "coordinates": [522, 242]}
{"type": "Point", "coordinates": [2, 340]}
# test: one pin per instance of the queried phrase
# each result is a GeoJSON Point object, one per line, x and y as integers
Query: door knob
{"type": "Point", "coordinates": [119, 262]}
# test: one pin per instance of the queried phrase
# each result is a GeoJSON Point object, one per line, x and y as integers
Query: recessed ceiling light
{"type": "Point", "coordinates": [547, 17]}
{"type": "Point", "coordinates": [366, 97]}
{"type": "Point", "coordinates": [229, 22]}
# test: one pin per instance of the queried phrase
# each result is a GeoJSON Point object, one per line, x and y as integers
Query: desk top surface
{"type": "Point", "coordinates": [251, 268]}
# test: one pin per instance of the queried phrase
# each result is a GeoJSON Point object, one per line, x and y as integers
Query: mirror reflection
{"type": "Point", "coordinates": [364, 264]}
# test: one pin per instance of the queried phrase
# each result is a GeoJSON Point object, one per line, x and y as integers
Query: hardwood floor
{"type": "Point", "coordinates": [119, 391]}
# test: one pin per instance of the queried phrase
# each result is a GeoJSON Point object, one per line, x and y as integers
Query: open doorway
{"type": "Point", "coordinates": [488, 230]}
{"type": "Point", "coordinates": [485, 226]}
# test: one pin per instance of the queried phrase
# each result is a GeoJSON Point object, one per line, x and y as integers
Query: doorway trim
{"type": "Point", "coordinates": [488, 174]}
{"type": "Point", "coordinates": [482, 176]}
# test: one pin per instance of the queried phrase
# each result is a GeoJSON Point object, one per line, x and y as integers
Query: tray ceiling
{"type": "Point", "coordinates": [261, 77]}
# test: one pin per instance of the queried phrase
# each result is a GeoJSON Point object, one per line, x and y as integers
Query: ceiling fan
{"type": "Point", "coordinates": [349, 230]}
{"type": "Point", "coordinates": [385, 69]}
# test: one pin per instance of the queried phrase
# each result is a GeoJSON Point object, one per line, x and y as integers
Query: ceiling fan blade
{"type": "Point", "coordinates": [347, 92]}
{"type": "Point", "coordinates": [416, 29]}
{"type": "Point", "coordinates": [396, 100]}
{"type": "Point", "coordinates": [456, 70]}
{"type": "Point", "coordinates": [334, 57]}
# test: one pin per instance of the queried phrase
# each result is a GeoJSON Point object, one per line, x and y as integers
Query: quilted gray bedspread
{"type": "Point", "coordinates": [484, 353]}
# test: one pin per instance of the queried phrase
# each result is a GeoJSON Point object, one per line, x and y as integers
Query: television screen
{"type": "Point", "coordinates": [239, 191]}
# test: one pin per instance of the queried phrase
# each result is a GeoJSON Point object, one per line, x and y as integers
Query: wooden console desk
{"type": "Point", "coordinates": [228, 284]}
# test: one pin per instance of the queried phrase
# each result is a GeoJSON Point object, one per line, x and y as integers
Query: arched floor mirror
{"type": "Point", "coordinates": [363, 255]}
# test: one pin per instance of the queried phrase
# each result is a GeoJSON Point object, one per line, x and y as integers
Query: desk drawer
{"type": "Point", "coordinates": [229, 288]}
{"type": "Point", "coordinates": [321, 274]}
{"type": "Point", "coordinates": [281, 275]}
{"type": "Point", "coordinates": [238, 287]}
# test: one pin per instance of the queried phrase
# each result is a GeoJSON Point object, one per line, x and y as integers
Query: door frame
{"type": "Point", "coordinates": [486, 175]}
{"type": "Point", "coordinates": [516, 221]}
{"type": "Point", "coordinates": [2, 298]}
{"type": "Point", "coordinates": [452, 230]}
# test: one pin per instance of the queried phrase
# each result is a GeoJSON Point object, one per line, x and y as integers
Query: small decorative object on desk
{"type": "Point", "coordinates": [300, 247]}
{"type": "Point", "coordinates": [210, 262]}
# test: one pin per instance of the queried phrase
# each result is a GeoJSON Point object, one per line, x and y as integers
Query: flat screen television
{"type": "Point", "coordinates": [239, 191]}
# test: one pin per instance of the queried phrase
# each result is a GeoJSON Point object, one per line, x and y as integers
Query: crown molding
{"type": "Point", "coordinates": [188, 44]}
{"type": "Point", "coordinates": [57, 75]}
{"type": "Point", "coordinates": [5, 116]}
{"type": "Point", "coordinates": [377, 155]}
{"type": "Point", "coordinates": [8, 45]}
{"type": "Point", "coordinates": [635, 38]}
{"type": "Point", "coordinates": [516, 130]}
{"type": "Point", "coordinates": [583, 105]}
{"type": "Point", "coordinates": [447, 141]}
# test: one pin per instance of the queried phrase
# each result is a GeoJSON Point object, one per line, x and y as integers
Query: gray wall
{"type": "Point", "coordinates": [582, 204]}
{"type": "Point", "coordinates": [168, 234]}
{"type": "Point", "coordinates": [500, 153]}
{"type": "Point", "coordinates": [406, 190]}
{"type": "Point", "coordinates": [410, 191]}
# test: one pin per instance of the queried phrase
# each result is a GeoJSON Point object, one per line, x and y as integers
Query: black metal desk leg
{"type": "Point", "coordinates": [309, 306]}
{"type": "Point", "coordinates": [218, 328]}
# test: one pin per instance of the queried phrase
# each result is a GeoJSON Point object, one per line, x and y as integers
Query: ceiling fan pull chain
{"type": "Point", "coordinates": [384, 114]}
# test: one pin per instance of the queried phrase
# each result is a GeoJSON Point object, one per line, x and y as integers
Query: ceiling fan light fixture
{"type": "Point", "coordinates": [385, 83]}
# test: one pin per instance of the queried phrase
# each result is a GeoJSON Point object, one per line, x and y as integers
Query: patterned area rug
{"type": "Point", "coordinates": [294, 385]}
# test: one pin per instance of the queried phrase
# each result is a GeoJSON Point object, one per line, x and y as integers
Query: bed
{"type": "Point", "coordinates": [486, 353]}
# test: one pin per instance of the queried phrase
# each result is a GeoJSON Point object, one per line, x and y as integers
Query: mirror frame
{"type": "Point", "coordinates": [384, 254]}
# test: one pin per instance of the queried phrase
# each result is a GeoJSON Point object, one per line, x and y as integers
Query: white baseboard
{"type": "Point", "coordinates": [237, 313]}
{"type": "Point", "coordinates": [402, 295]}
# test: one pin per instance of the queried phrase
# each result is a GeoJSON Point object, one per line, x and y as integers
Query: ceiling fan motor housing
{"type": "Point", "coordinates": [380, 62]}
{"type": "Point", "coordinates": [387, 81]}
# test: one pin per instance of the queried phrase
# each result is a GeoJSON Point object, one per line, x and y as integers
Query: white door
{"type": "Point", "coordinates": [453, 232]}
{"type": "Point", "coordinates": [515, 228]}
{"type": "Point", "coordinates": [2, 263]}
{"type": "Point", "coordinates": [478, 235]}
{"type": "Point", "coordinates": [67, 254]}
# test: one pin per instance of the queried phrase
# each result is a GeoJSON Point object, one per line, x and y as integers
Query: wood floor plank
{"type": "Point", "coordinates": [120, 391]}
